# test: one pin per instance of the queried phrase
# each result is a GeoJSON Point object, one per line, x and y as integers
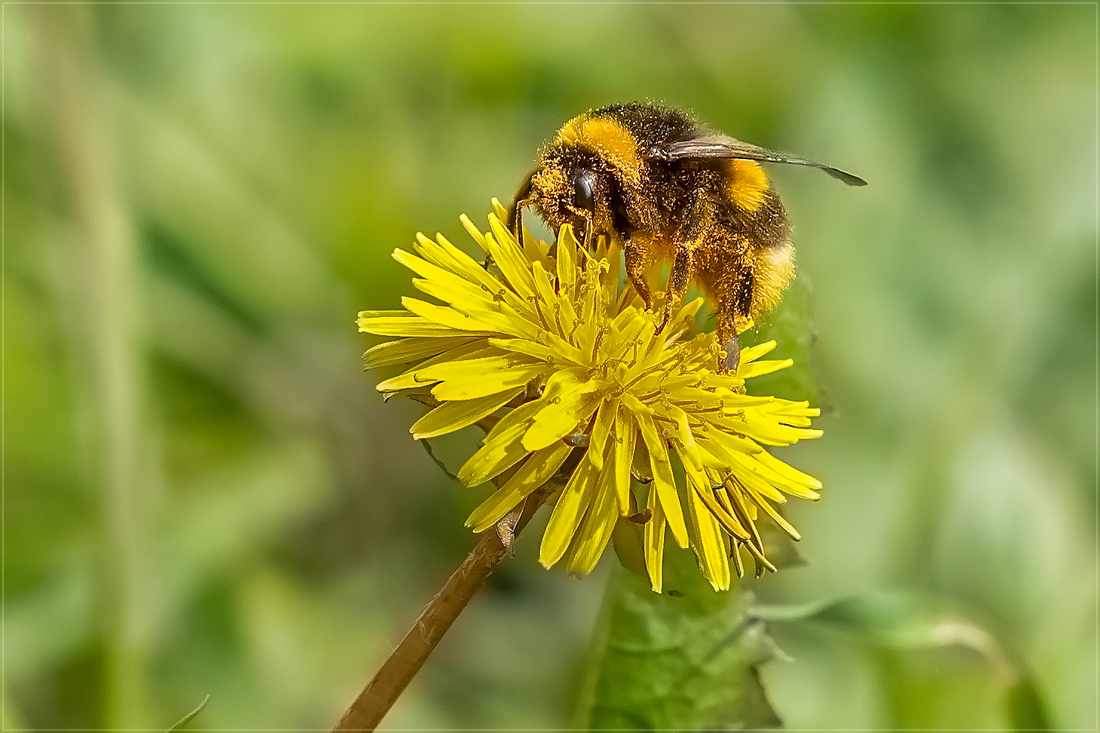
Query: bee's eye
{"type": "Point", "coordinates": [584, 190]}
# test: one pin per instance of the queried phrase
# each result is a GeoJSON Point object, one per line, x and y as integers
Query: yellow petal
{"type": "Point", "coordinates": [683, 320]}
{"type": "Point", "coordinates": [635, 405]}
{"type": "Point", "coordinates": [709, 543]}
{"type": "Point", "coordinates": [764, 430]}
{"type": "Point", "coordinates": [792, 474]}
{"type": "Point", "coordinates": [410, 379]}
{"type": "Point", "coordinates": [530, 348]}
{"type": "Point", "coordinates": [502, 448]}
{"type": "Point", "coordinates": [700, 483]}
{"type": "Point", "coordinates": [408, 325]}
{"type": "Point", "coordinates": [625, 436]}
{"type": "Point", "coordinates": [453, 286]}
{"type": "Point", "coordinates": [499, 210]}
{"type": "Point", "coordinates": [535, 250]}
{"type": "Point", "coordinates": [381, 314]}
{"type": "Point", "coordinates": [776, 517]}
{"type": "Point", "coordinates": [534, 472]}
{"type": "Point", "coordinates": [591, 322]}
{"type": "Point", "coordinates": [673, 385]}
{"type": "Point", "coordinates": [549, 302]}
{"type": "Point", "coordinates": [566, 261]}
{"type": "Point", "coordinates": [405, 351]}
{"type": "Point", "coordinates": [433, 253]}
{"type": "Point", "coordinates": [760, 368]}
{"type": "Point", "coordinates": [655, 352]}
{"type": "Point", "coordinates": [755, 352]}
{"type": "Point", "coordinates": [654, 541]}
{"type": "Point", "coordinates": [467, 267]}
{"type": "Point", "coordinates": [733, 498]}
{"type": "Point", "coordinates": [567, 319]}
{"type": "Point", "coordinates": [628, 325]}
{"type": "Point", "coordinates": [611, 275]}
{"type": "Point", "coordinates": [601, 428]}
{"type": "Point", "coordinates": [664, 483]}
{"type": "Point", "coordinates": [686, 437]}
{"type": "Point", "coordinates": [444, 315]}
{"type": "Point", "coordinates": [452, 416]}
{"type": "Point", "coordinates": [566, 401]}
{"type": "Point", "coordinates": [568, 512]}
{"type": "Point", "coordinates": [777, 480]}
{"type": "Point", "coordinates": [474, 232]}
{"type": "Point", "coordinates": [751, 474]}
{"type": "Point", "coordinates": [598, 524]}
{"type": "Point", "coordinates": [509, 258]}
{"type": "Point", "coordinates": [471, 313]}
{"type": "Point", "coordinates": [786, 407]}
{"type": "Point", "coordinates": [470, 378]}
{"type": "Point", "coordinates": [722, 446]}
{"type": "Point", "coordinates": [732, 402]}
{"type": "Point", "coordinates": [795, 421]}
{"type": "Point", "coordinates": [489, 462]}
{"type": "Point", "coordinates": [628, 299]}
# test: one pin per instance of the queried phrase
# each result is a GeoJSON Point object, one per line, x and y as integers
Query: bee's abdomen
{"type": "Point", "coordinates": [758, 217]}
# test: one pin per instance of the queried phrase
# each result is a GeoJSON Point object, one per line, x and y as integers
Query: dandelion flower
{"type": "Point", "coordinates": [587, 402]}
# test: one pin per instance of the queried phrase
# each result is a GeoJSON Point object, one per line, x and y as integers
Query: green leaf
{"type": "Point", "coordinates": [790, 324]}
{"type": "Point", "coordinates": [907, 621]}
{"type": "Point", "coordinates": [682, 660]}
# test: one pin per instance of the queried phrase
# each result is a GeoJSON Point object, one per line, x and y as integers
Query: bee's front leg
{"type": "Point", "coordinates": [637, 258]}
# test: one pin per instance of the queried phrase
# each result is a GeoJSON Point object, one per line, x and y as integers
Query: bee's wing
{"type": "Point", "coordinates": [720, 146]}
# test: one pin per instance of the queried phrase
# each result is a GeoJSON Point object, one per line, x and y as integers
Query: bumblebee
{"type": "Point", "coordinates": [673, 191]}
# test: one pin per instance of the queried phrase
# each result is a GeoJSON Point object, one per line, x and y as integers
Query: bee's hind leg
{"type": "Point", "coordinates": [689, 239]}
{"type": "Point", "coordinates": [732, 347]}
{"type": "Point", "coordinates": [731, 319]}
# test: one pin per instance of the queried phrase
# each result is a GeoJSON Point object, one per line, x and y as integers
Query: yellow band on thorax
{"type": "Point", "coordinates": [608, 138]}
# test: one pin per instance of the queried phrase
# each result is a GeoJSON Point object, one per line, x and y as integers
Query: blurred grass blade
{"type": "Point", "coordinates": [684, 660]}
{"type": "Point", "coordinates": [86, 144]}
{"type": "Point", "coordinates": [191, 715]}
{"type": "Point", "coordinates": [10, 719]}
{"type": "Point", "coordinates": [908, 621]}
{"type": "Point", "coordinates": [1024, 707]}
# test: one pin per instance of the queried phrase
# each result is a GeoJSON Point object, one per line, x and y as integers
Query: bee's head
{"type": "Point", "coordinates": [568, 187]}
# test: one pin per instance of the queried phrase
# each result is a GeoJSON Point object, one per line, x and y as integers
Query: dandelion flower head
{"type": "Point", "coordinates": [584, 402]}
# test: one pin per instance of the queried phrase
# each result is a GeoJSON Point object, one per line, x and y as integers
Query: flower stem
{"type": "Point", "coordinates": [389, 682]}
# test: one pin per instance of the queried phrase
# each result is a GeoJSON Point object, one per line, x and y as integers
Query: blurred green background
{"type": "Point", "coordinates": [204, 494]}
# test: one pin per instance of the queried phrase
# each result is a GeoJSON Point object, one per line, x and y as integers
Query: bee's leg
{"type": "Point", "coordinates": [636, 256]}
{"type": "Point", "coordinates": [726, 331]}
{"type": "Point", "coordinates": [583, 228]}
{"type": "Point", "coordinates": [696, 229]}
{"type": "Point", "coordinates": [732, 347]}
{"type": "Point", "coordinates": [734, 299]}
{"type": "Point", "coordinates": [678, 279]}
